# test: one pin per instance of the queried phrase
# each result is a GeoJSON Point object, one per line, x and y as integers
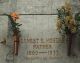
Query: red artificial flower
{"type": "Point", "coordinates": [14, 16]}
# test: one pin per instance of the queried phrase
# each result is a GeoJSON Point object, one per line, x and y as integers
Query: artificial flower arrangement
{"type": "Point", "coordinates": [16, 32]}
{"type": "Point", "coordinates": [13, 17]}
{"type": "Point", "coordinates": [66, 24]}
{"type": "Point", "coordinates": [65, 21]}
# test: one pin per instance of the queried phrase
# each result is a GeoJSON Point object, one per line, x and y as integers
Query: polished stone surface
{"type": "Point", "coordinates": [35, 26]}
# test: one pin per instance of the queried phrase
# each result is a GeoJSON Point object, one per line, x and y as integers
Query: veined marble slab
{"type": "Point", "coordinates": [41, 27]}
{"type": "Point", "coordinates": [3, 35]}
{"type": "Point", "coordinates": [38, 6]}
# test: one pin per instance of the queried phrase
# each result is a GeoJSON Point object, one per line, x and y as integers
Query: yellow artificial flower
{"type": "Point", "coordinates": [68, 7]}
{"type": "Point", "coordinates": [67, 19]}
{"type": "Point", "coordinates": [72, 22]}
{"type": "Point", "coordinates": [73, 30]}
{"type": "Point", "coordinates": [59, 24]}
